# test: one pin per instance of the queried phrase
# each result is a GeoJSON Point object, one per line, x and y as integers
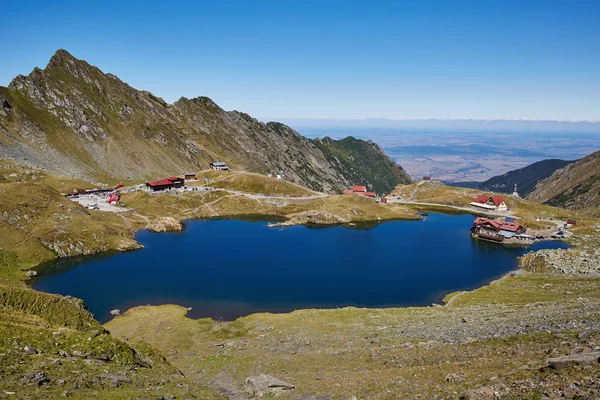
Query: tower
{"type": "Point", "coordinates": [515, 193]}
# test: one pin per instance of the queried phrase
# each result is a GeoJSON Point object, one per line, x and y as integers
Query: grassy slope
{"type": "Point", "coordinates": [362, 160]}
{"type": "Point", "coordinates": [32, 214]}
{"type": "Point", "coordinates": [369, 353]}
{"type": "Point", "coordinates": [366, 353]}
{"type": "Point", "coordinates": [438, 193]}
{"type": "Point", "coordinates": [252, 183]}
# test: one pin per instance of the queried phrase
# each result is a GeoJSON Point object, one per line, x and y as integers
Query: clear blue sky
{"type": "Point", "coordinates": [419, 59]}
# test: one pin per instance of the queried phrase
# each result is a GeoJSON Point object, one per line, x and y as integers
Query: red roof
{"type": "Point", "coordinates": [482, 199]}
{"type": "Point", "coordinates": [359, 189]}
{"type": "Point", "coordinates": [510, 226]}
{"type": "Point", "coordinates": [371, 194]}
{"type": "Point", "coordinates": [497, 200]}
{"type": "Point", "coordinates": [162, 182]}
{"type": "Point", "coordinates": [348, 191]}
{"type": "Point", "coordinates": [507, 226]}
{"type": "Point", "coordinates": [173, 178]}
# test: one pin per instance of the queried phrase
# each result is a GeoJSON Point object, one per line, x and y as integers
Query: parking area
{"type": "Point", "coordinates": [97, 202]}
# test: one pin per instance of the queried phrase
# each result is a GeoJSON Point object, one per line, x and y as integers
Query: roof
{"type": "Point", "coordinates": [371, 194]}
{"type": "Point", "coordinates": [510, 226]}
{"type": "Point", "coordinates": [219, 164]}
{"type": "Point", "coordinates": [359, 189]}
{"type": "Point", "coordinates": [189, 173]}
{"type": "Point", "coordinates": [482, 199]}
{"type": "Point", "coordinates": [497, 200]}
{"type": "Point", "coordinates": [173, 178]}
{"type": "Point", "coordinates": [348, 191]}
{"type": "Point", "coordinates": [498, 224]}
{"type": "Point", "coordinates": [162, 182]}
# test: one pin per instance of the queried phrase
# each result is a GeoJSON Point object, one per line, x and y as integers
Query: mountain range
{"type": "Point", "coordinates": [576, 186]}
{"type": "Point", "coordinates": [73, 119]}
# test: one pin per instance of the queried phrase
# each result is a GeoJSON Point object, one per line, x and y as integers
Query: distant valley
{"type": "Point", "coordinates": [465, 151]}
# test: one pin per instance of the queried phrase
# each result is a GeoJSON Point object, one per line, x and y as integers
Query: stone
{"type": "Point", "coordinates": [581, 359]}
{"type": "Point", "coordinates": [265, 384]}
{"type": "Point", "coordinates": [35, 378]}
{"type": "Point", "coordinates": [116, 311]}
{"type": "Point", "coordinates": [30, 350]}
{"type": "Point", "coordinates": [452, 377]}
{"type": "Point", "coordinates": [116, 378]}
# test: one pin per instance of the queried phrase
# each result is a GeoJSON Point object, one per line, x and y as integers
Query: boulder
{"type": "Point", "coordinates": [264, 384]}
{"type": "Point", "coordinates": [116, 311]}
{"type": "Point", "coordinates": [30, 350]}
{"type": "Point", "coordinates": [165, 224]}
{"type": "Point", "coordinates": [581, 359]}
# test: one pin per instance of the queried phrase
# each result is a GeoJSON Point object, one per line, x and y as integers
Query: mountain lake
{"type": "Point", "coordinates": [228, 268]}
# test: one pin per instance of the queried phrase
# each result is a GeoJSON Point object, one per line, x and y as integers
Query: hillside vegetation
{"type": "Point", "coordinates": [576, 186]}
{"type": "Point", "coordinates": [73, 119]}
{"type": "Point", "coordinates": [525, 178]}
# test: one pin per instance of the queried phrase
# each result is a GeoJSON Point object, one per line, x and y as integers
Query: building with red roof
{"type": "Point", "coordinates": [495, 229]}
{"type": "Point", "coordinates": [490, 203]}
{"type": "Point", "coordinates": [164, 184]}
{"type": "Point", "coordinates": [360, 191]}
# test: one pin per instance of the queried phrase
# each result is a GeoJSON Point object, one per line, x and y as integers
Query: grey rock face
{"type": "Point", "coordinates": [264, 384]}
{"type": "Point", "coordinates": [75, 120]}
{"type": "Point", "coordinates": [582, 359]}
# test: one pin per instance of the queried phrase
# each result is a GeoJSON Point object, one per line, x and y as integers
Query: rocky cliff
{"type": "Point", "coordinates": [73, 119]}
{"type": "Point", "coordinates": [576, 186]}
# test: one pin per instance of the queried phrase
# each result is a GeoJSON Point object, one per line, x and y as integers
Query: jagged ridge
{"type": "Point", "coordinates": [73, 119]}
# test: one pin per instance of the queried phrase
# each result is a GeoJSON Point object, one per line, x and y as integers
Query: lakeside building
{"type": "Point", "coordinates": [496, 230]}
{"type": "Point", "coordinates": [360, 191]}
{"type": "Point", "coordinates": [218, 165]}
{"type": "Point", "coordinates": [495, 203]}
{"type": "Point", "coordinates": [164, 184]}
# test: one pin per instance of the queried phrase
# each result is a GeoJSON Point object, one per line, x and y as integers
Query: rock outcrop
{"type": "Point", "coordinates": [73, 119]}
{"type": "Point", "coordinates": [576, 186]}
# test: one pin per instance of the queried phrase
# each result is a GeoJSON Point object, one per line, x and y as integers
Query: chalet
{"type": "Point", "coordinates": [495, 203]}
{"type": "Point", "coordinates": [496, 230]}
{"type": "Point", "coordinates": [189, 176]}
{"type": "Point", "coordinates": [359, 189]}
{"type": "Point", "coordinates": [163, 184]}
{"type": "Point", "coordinates": [221, 166]}
{"type": "Point", "coordinates": [427, 178]}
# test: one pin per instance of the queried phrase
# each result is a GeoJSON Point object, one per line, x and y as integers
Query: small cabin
{"type": "Point", "coordinates": [189, 176]}
{"type": "Point", "coordinates": [359, 189]}
{"type": "Point", "coordinates": [219, 165]}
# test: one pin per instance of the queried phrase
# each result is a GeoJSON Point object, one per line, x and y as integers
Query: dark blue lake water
{"type": "Point", "coordinates": [229, 268]}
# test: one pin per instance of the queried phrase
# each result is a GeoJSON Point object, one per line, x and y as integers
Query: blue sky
{"type": "Point", "coordinates": [412, 59]}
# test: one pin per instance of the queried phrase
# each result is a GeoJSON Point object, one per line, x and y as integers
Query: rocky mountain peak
{"type": "Point", "coordinates": [61, 58]}
{"type": "Point", "coordinates": [74, 119]}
